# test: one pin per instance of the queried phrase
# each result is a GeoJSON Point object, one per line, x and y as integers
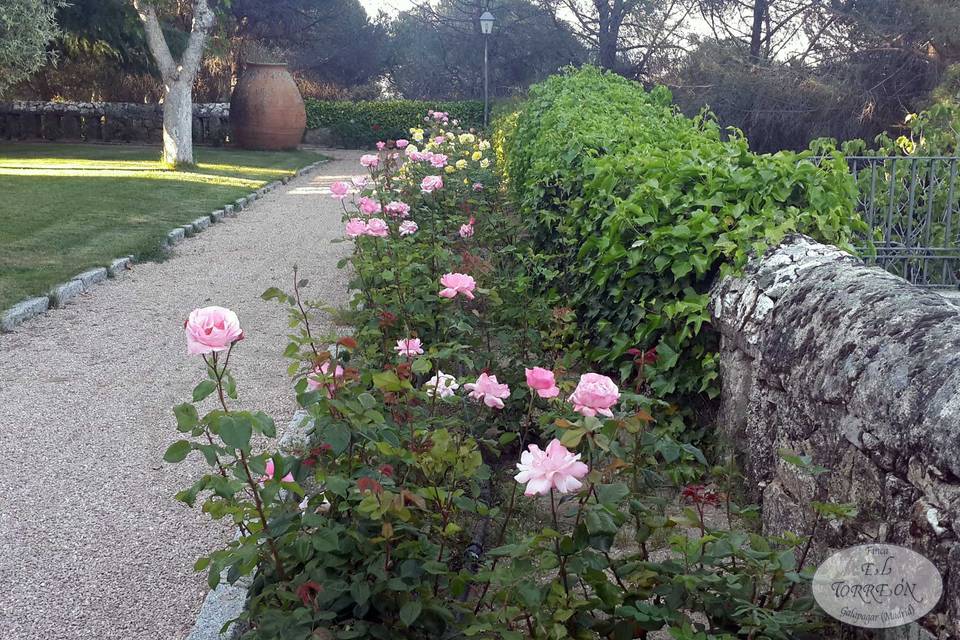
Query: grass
{"type": "Point", "coordinates": [68, 208]}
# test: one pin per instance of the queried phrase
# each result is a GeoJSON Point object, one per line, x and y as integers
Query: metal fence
{"type": "Point", "coordinates": [913, 206]}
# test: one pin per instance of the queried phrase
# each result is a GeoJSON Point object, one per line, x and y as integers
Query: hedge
{"type": "Point", "coordinates": [639, 209]}
{"type": "Point", "coordinates": [363, 123]}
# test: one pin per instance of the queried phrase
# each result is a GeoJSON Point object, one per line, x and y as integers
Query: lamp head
{"type": "Point", "coordinates": [486, 23]}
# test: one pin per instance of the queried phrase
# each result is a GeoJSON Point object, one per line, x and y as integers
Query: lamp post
{"type": "Point", "coordinates": [486, 27]}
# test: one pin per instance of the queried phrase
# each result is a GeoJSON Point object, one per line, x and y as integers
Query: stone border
{"type": "Point", "coordinates": [61, 294]}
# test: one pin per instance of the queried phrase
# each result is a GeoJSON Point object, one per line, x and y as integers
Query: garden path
{"type": "Point", "coordinates": [92, 543]}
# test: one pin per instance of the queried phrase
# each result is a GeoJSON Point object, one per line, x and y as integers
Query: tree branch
{"type": "Point", "coordinates": [203, 19]}
{"type": "Point", "coordinates": [155, 40]}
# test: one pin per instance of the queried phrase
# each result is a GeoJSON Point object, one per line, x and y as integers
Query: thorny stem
{"type": "Point", "coordinates": [556, 545]}
{"type": "Point", "coordinates": [263, 517]}
{"type": "Point", "coordinates": [503, 533]}
{"type": "Point", "coordinates": [802, 560]}
{"type": "Point", "coordinates": [306, 319]}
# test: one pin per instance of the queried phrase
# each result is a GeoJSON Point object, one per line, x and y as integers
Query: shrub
{"type": "Point", "coordinates": [641, 209]}
{"type": "Point", "coordinates": [361, 124]}
{"type": "Point", "coordinates": [402, 514]}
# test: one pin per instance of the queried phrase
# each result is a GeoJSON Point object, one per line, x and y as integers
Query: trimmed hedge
{"type": "Point", "coordinates": [640, 209]}
{"type": "Point", "coordinates": [363, 123]}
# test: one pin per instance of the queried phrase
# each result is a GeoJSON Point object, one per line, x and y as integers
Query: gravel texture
{"type": "Point", "coordinates": [92, 543]}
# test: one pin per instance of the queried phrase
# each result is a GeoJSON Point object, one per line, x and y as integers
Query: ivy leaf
{"type": "Point", "coordinates": [410, 611]}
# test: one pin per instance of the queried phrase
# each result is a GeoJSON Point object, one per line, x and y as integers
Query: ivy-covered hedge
{"type": "Point", "coordinates": [364, 123]}
{"type": "Point", "coordinates": [640, 209]}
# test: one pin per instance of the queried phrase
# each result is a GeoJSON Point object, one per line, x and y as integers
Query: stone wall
{"type": "Point", "coordinates": [859, 370]}
{"type": "Point", "coordinates": [105, 121]}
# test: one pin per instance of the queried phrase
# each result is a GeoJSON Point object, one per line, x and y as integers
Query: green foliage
{"type": "Point", "coordinates": [26, 27]}
{"type": "Point", "coordinates": [361, 124]}
{"type": "Point", "coordinates": [642, 209]}
{"type": "Point", "coordinates": [401, 517]}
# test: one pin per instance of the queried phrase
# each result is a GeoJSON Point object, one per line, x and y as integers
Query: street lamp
{"type": "Point", "coordinates": [486, 27]}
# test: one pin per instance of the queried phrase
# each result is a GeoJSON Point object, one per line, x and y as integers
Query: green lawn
{"type": "Point", "coordinates": [67, 208]}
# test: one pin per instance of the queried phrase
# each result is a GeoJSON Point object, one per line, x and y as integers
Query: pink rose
{"type": "Point", "coordinates": [271, 469]}
{"type": "Point", "coordinates": [368, 206]}
{"type": "Point", "coordinates": [211, 329]}
{"type": "Point", "coordinates": [556, 468]}
{"type": "Point", "coordinates": [542, 381]}
{"type": "Point", "coordinates": [398, 209]}
{"type": "Point", "coordinates": [466, 230]}
{"type": "Point", "coordinates": [359, 181]}
{"type": "Point", "coordinates": [408, 228]}
{"type": "Point", "coordinates": [439, 140]}
{"type": "Point", "coordinates": [381, 145]}
{"type": "Point", "coordinates": [322, 379]}
{"type": "Point", "coordinates": [377, 227]}
{"type": "Point", "coordinates": [478, 186]}
{"type": "Point", "coordinates": [431, 183]}
{"type": "Point", "coordinates": [455, 283]}
{"type": "Point", "coordinates": [339, 190]}
{"type": "Point", "coordinates": [594, 394]}
{"type": "Point", "coordinates": [402, 144]}
{"type": "Point", "coordinates": [409, 347]}
{"type": "Point", "coordinates": [416, 156]}
{"type": "Point", "coordinates": [489, 390]}
{"type": "Point", "coordinates": [356, 227]}
{"type": "Point", "coordinates": [438, 160]}
{"type": "Point", "coordinates": [370, 160]}
{"type": "Point", "coordinates": [441, 384]}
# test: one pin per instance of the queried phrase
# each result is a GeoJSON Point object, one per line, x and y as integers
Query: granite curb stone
{"type": "Point", "coordinates": [118, 266]}
{"type": "Point", "coordinates": [216, 216]}
{"type": "Point", "coordinates": [61, 294]}
{"type": "Point", "coordinates": [175, 235]}
{"type": "Point", "coordinates": [92, 277]}
{"type": "Point", "coordinates": [23, 311]}
{"type": "Point", "coordinates": [200, 224]}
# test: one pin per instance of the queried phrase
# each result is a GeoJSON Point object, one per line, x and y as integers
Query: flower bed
{"type": "Point", "coordinates": [467, 476]}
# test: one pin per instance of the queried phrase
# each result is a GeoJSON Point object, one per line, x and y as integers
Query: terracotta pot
{"type": "Point", "coordinates": [266, 110]}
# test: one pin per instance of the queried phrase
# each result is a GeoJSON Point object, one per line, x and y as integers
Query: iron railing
{"type": "Point", "coordinates": [912, 205]}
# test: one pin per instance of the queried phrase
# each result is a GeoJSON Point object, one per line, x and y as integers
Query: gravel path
{"type": "Point", "coordinates": [92, 543]}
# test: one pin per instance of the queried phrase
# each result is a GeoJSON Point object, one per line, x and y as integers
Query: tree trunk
{"type": "Point", "coordinates": [756, 32]}
{"type": "Point", "coordinates": [178, 123]}
{"type": "Point", "coordinates": [178, 77]}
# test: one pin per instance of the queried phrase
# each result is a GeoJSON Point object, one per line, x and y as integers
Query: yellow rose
{"type": "Point", "coordinates": [477, 155]}
{"type": "Point", "coordinates": [412, 148]}
{"type": "Point", "coordinates": [417, 134]}
{"type": "Point", "coordinates": [484, 145]}
{"type": "Point", "coordinates": [449, 169]}
{"type": "Point", "coordinates": [485, 163]}
{"type": "Point", "coordinates": [467, 138]}
{"type": "Point", "coordinates": [461, 164]}
{"type": "Point", "coordinates": [450, 135]}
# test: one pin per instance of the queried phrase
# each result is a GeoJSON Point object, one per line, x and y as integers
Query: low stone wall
{"type": "Point", "coordinates": [105, 121]}
{"type": "Point", "coordinates": [859, 370]}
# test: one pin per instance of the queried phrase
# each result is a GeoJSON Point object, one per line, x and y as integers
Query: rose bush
{"type": "Point", "coordinates": [465, 476]}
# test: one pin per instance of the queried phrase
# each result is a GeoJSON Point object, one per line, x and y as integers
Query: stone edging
{"type": "Point", "coordinates": [63, 293]}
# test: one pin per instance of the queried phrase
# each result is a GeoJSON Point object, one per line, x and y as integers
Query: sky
{"type": "Point", "coordinates": [391, 7]}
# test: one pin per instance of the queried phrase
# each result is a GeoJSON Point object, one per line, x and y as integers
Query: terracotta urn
{"type": "Point", "coordinates": [266, 109]}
